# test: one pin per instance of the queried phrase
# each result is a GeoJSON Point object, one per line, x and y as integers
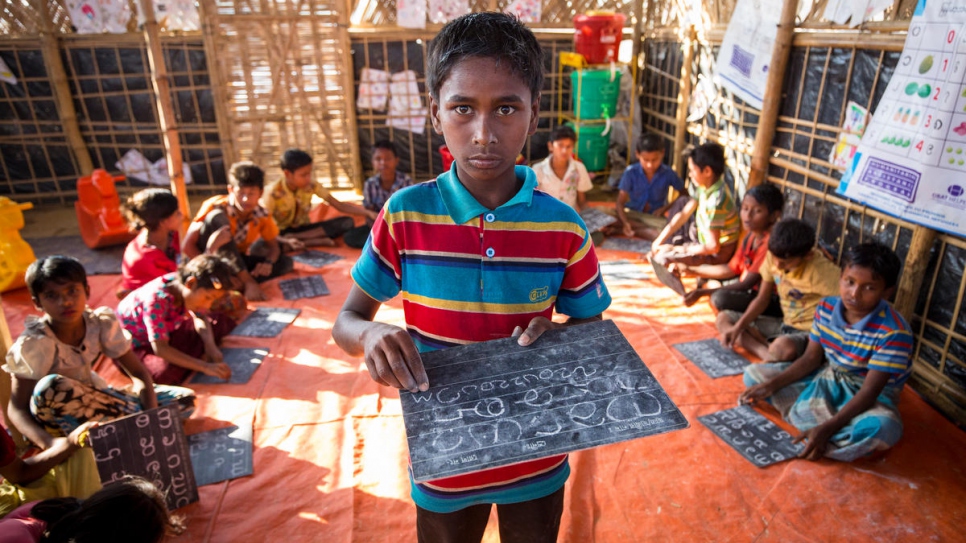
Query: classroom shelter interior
{"type": "Point", "coordinates": [329, 446]}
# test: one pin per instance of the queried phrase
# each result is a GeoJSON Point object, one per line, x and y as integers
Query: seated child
{"type": "Point", "coordinates": [848, 408]}
{"type": "Point", "coordinates": [156, 249]}
{"type": "Point", "coordinates": [54, 386]}
{"type": "Point", "coordinates": [642, 202]}
{"type": "Point", "coordinates": [760, 210]}
{"type": "Point", "coordinates": [560, 175]}
{"type": "Point", "coordinates": [168, 332]}
{"type": "Point", "coordinates": [239, 230]}
{"type": "Point", "coordinates": [802, 276]}
{"type": "Point", "coordinates": [378, 188]}
{"type": "Point", "coordinates": [289, 201]}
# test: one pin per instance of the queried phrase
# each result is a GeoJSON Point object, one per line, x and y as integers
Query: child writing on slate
{"type": "Point", "coordinates": [156, 248]}
{"type": "Point", "coordinates": [846, 409]}
{"type": "Point", "coordinates": [484, 75]}
{"type": "Point", "coordinates": [166, 321]}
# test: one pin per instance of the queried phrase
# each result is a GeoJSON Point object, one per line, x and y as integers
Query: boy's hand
{"type": "Point", "coordinates": [692, 297]}
{"type": "Point", "coordinates": [754, 393]}
{"type": "Point", "coordinates": [262, 269]}
{"type": "Point", "coordinates": [78, 438]}
{"type": "Point", "coordinates": [628, 231]}
{"type": "Point", "coordinates": [729, 336]}
{"type": "Point", "coordinates": [537, 327]}
{"type": "Point", "coordinates": [816, 441]}
{"type": "Point", "coordinates": [290, 244]}
{"type": "Point", "coordinates": [214, 355]}
{"type": "Point", "coordinates": [218, 369]}
{"type": "Point", "coordinates": [253, 292]}
{"type": "Point", "coordinates": [392, 358]}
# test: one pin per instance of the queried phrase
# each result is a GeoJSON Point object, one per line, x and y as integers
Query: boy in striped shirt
{"type": "Point", "coordinates": [846, 409]}
{"type": "Point", "coordinates": [477, 254]}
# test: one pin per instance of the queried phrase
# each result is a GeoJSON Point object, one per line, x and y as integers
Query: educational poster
{"type": "Point", "coordinates": [912, 159]}
{"type": "Point", "coordinates": [97, 16]}
{"type": "Point", "coordinates": [406, 111]}
{"type": "Point", "coordinates": [411, 13]}
{"type": "Point", "coordinates": [850, 137]}
{"type": "Point", "coordinates": [858, 11]}
{"type": "Point", "coordinates": [742, 64]}
{"type": "Point", "coordinates": [443, 11]}
{"type": "Point", "coordinates": [373, 89]}
{"type": "Point", "coordinates": [529, 11]}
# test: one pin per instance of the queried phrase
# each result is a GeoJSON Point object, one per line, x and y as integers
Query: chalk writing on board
{"type": "Point", "coordinates": [316, 259]}
{"type": "Point", "coordinates": [304, 287]}
{"type": "Point", "coordinates": [266, 322]}
{"type": "Point", "coordinates": [747, 431]}
{"type": "Point", "coordinates": [243, 363]}
{"type": "Point", "coordinates": [496, 403]}
{"type": "Point", "coordinates": [596, 219]}
{"type": "Point", "coordinates": [714, 359]}
{"type": "Point", "coordinates": [150, 444]}
{"type": "Point", "coordinates": [223, 454]}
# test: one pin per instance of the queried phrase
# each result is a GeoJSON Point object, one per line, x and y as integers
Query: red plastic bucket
{"type": "Point", "coordinates": [597, 36]}
{"type": "Point", "coordinates": [446, 156]}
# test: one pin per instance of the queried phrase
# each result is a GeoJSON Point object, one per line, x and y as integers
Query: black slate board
{"type": "Point", "coordinates": [670, 280]}
{"type": "Point", "coordinates": [714, 359]}
{"type": "Point", "coordinates": [243, 363]}
{"type": "Point", "coordinates": [316, 259]}
{"type": "Point", "coordinates": [596, 219]}
{"type": "Point", "coordinates": [304, 287]}
{"type": "Point", "coordinates": [633, 245]}
{"type": "Point", "coordinates": [152, 445]}
{"type": "Point", "coordinates": [496, 403]}
{"type": "Point", "coordinates": [223, 454]}
{"type": "Point", "coordinates": [747, 431]}
{"type": "Point", "coordinates": [622, 270]}
{"type": "Point", "coordinates": [266, 322]}
{"type": "Point", "coordinates": [103, 261]}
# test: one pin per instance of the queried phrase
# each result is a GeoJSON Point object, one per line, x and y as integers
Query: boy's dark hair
{"type": "Point", "coordinates": [563, 132]}
{"type": "Point", "coordinates": [149, 207]}
{"type": "Point", "coordinates": [246, 174]}
{"type": "Point", "coordinates": [499, 36]}
{"type": "Point", "coordinates": [56, 268]}
{"type": "Point", "coordinates": [708, 155]}
{"type": "Point", "coordinates": [767, 195]}
{"type": "Point", "coordinates": [649, 142]}
{"type": "Point", "coordinates": [791, 238]}
{"type": "Point", "coordinates": [209, 270]}
{"type": "Point", "coordinates": [387, 145]}
{"type": "Point", "coordinates": [877, 257]}
{"type": "Point", "coordinates": [293, 159]}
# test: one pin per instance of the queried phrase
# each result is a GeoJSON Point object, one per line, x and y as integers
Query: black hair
{"type": "Point", "coordinates": [767, 195]}
{"type": "Point", "coordinates": [708, 155]}
{"type": "Point", "coordinates": [387, 145]}
{"type": "Point", "coordinates": [563, 132]}
{"type": "Point", "coordinates": [500, 36]}
{"type": "Point", "coordinates": [293, 159]}
{"type": "Point", "coordinates": [129, 510]}
{"type": "Point", "coordinates": [877, 257]}
{"type": "Point", "coordinates": [791, 238]}
{"type": "Point", "coordinates": [246, 174]}
{"type": "Point", "coordinates": [149, 207]}
{"type": "Point", "coordinates": [649, 142]}
{"type": "Point", "coordinates": [56, 268]}
{"type": "Point", "coordinates": [209, 271]}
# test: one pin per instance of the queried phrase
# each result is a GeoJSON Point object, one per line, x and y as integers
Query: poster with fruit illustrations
{"type": "Point", "coordinates": [911, 162]}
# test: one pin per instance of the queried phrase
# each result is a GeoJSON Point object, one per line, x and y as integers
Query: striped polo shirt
{"type": "Point", "coordinates": [469, 274]}
{"type": "Point", "coordinates": [716, 211]}
{"type": "Point", "coordinates": [881, 341]}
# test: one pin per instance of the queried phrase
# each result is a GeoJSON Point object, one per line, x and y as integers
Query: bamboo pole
{"type": "Point", "coordinates": [773, 94]}
{"type": "Point", "coordinates": [169, 131]}
{"type": "Point", "coordinates": [355, 155]}
{"type": "Point", "coordinates": [684, 97]}
{"type": "Point", "coordinates": [913, 271]}
{"type": "Point", "coordinates": [219, 87]}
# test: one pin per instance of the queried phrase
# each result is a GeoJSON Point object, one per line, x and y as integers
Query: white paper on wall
{"type": "Point", "coordinates": [98, 16]}
{"type": "Point", "coordinates": [406, 110]}
{"type": "Point", "coordinates": [373, 89]}
{"type": "Point", "coordinates": [411, 13]}
{"type": "Point", "coordinates": [174, 14]}
{"type": "Point", "coordinates": [742, 64]}
{"type": "Point", "coordinates": [443, 11]}
{"type": "Point", "coordinates": [529, 11]}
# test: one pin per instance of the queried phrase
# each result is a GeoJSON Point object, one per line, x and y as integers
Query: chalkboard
{"type": "Point", "coordinates": [495, 403]}
{"type": "Point", "coordinates": [622, 270]}
{"type": "Point", "coordinates": [266, 322]}
{"type": "Point", "coordinates": [633, 245]}
{"type": "Point", "coordinates": [150, 444]}
{"type": "Point", "coordinates": [714, 359]}
{"type": "Point", "coordinates": [304, 287]}
{"type": "Point", "coordinates": [670, 280]}
{"type": "Point", "coordinates": [316, 259]}
{"type": "Point", "coordinates": [243, 363]}
{"type": "Point", "coordinates": [747, 431]}
{"type": "Point", "coordinates": [223, 454]}
{"type": "Point", "coordinates": [596, 219]}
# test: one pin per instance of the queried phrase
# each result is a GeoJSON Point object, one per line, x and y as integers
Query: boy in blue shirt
{"type": "Point", "coordinates": [642, 202]}
{"type": "Point", "coordinates": [845, 409]}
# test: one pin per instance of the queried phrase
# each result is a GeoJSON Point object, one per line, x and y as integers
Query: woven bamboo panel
{"type": "Point", "coordinates": [27, 18]}
{"type": "Point", "coordinates": [555, 13]}
{"type": "Point", "coordinates": [659, 87]}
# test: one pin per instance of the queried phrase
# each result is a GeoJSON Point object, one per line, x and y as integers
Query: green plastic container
{"type": "Point", "coordinates": [592, 145]}
{"type": "Point", "coordinates": [594, 93]}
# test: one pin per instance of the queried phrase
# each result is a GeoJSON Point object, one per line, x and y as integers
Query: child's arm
{"type": "Point", "coordinates": [811, 360]}
{"type": "Point", "coordinates": [711, 246]}
{"type": "Point", "coordinates": [263, 269]}
{"type": "Point", "coordinates": [390, 354]}
{"type": "Point", "coordinates": [350, 208]}
{"type": "Point", "coordinates": [141, 377]}
{"type": "Point", "coordinates": [676, 223]}
{"type": "Point", "coordinates": [755, 308]}
{"type": "Point", "coordinates": [163, 349]}
{"type": "Point", "coordinates": [253, 292]}
{"type": "Point", "coordinates": [25, 471]}
{"type": "Point", "coordinates": [622, 198]}
{"type": "Point", "coordinates": [203, 327]}
{"type": "Point", "coordinates": [19, 411]}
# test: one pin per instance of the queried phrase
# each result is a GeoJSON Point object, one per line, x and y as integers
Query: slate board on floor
{"type": "Point", "coordinates": [96, 261]}
{"type": "Point", "coordinates": [622, 270]}
{"type": "Point", "coordinates": [316, 259]}
{"type": "Point", "coordinates": [670, 280]}
{"type": "Point", "coordinates": [596, 219]}
{"type": "Point", "coordinates": [633, 245]}
{"type": "Point", "coordinates": [304, 287]}
{"type": "Point", "coordinates": [758, 439]}
{"type": "Point", "coordinates": [495, 403]}
{"type": "Point", "coordinates": [266, 322]}
{"type": "Point", "coordinates": [714, 359]}
{"type": "Point", "coordinates": [243, 363]}
{"type": "Point", "coordinates": [223, 454]}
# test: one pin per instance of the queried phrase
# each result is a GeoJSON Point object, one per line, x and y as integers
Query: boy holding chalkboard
{"type": "Point", "coordinates": [847, 408]}
{"type": "Point", "coordinates": [477, 254]}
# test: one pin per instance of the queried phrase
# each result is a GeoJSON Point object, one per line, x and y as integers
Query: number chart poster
{"type": "Point", "coordinates": [911, 162]}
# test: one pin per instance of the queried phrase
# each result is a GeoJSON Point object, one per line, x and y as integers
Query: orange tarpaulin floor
{"type": "Point", "coordinates": [330, 451]}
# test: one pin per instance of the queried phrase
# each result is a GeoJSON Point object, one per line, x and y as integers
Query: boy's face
{"type": "Point", "coordinates": [650, 161]}
{"type": "Point", "coordinates": [245, 199]}
{"type": "Point", "coordinates": [561, 150]}
{"type": "Point", "coordinates": [64, 303]}
{"type": "Point", "coordinates": [385, 161]}
{"type": "Point", "coordinates": [485, 114]}
{"type": "Point", "coordinates": [861, 290]}
{"type": "Point", "coordinates": [704, 177]}
{"type": "Point", "coordinates": [173, 222]}
{"type": "Point", "coordinates": [300, 178]}
{"type": "Point", "coordinates": [755, 217]}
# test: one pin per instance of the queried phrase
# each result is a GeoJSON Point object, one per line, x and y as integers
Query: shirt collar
{"type": "Point", "coordinates": [716, 186]}
{"type": "Point", "coordinates": [838, 315]}
{"type": "Point", "coordinates": [462, 206]}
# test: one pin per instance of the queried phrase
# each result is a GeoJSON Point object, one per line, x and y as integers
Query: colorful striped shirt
{"type": "Point", "coordinates": [716, 211]}
{"type": "Point", "coordinates": [469, 274]}
{"type": "Point", "coordinates": [881, 341]}
{"type": "Point", "coordinates": [374, 196]}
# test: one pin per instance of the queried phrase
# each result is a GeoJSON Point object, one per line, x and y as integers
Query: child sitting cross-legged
{"type": "Point", "coordinates": [560, 175]}
{"type": "Point", "coordinates": [846, 409]}
{"type": "Point", "coordinates": [156, 249]}
{"type": "Point", "coordinates": [377, 189]}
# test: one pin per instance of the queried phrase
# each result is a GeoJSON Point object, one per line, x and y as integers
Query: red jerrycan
{"type": "Point", "coordinates": [98, 210]}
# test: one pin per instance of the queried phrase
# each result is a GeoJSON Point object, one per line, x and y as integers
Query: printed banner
{"type": "Point", "coordinates": [444, 11]}
{"type": "Point", "coordinates": [411, 13]}
{"type": "Point", "coordinates": [742, 64]}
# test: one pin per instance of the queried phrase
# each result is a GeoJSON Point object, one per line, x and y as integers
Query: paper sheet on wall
{"type": "Point", "coordinates": [858, 11]}
{"type": "Point", "coordinates": [849, 138]}
{"type": "Point", "coordinates": [442, 11]}
{"type": "Point", "coordinates": [174, 14]}
{"type": "Point", "coordinates": [97, 16]}
{"type": "Point", "coordinates": [6, 74]}
{"type": "Point", "coordinates": [742, 64]}
{"type": "Point", "coordinates": [373, 89]}
{"type": "Point", "coordinates": [529, 11]}
{"type": "Point", "coordinates": [406, 109]}
{"type": "Point", "coordinates": [912, 158]}
{"type": "Point", "coordinates": [411, 13]}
